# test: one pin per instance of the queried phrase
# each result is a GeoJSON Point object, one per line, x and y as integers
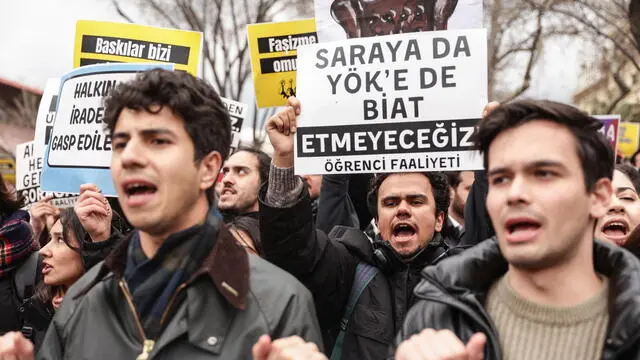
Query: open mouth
{"type": "Point", "coordinates": [227, 191]}
{"type": "Point", "coordinates": [46, 268]}
{"type": "Point", "coordinates": [403, 230]}
{"type": "Point", "coordinates": [518, 226]}
{"type": "Point", "coordinates": [615, 228]}
{"type": "Point", "coordinates": [139, 188]}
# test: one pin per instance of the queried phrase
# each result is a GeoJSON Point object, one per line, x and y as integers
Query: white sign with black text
{"type": "Point", "coordinates": [28, 169]}
{"type": "Point", "coordinates": [237, 113]}
{"type": "Point", "coordinates": [46, 115]}
{"type": "Point", "coordinates": [397, 103]}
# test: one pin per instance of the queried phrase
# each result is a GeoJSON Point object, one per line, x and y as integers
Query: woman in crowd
{"type": "Point", "coordinates": [624, 211]}
{"type": "Point", "coordinates": [77, 240]}
{"type": "Point", "coordinates": [16, 246]}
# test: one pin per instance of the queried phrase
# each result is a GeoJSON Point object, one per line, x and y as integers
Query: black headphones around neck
{"type": "Point", "coordinates": [388, 260]}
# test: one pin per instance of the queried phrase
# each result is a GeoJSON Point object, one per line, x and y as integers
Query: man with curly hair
{"type": "Point", "coordinates": [179, 285]}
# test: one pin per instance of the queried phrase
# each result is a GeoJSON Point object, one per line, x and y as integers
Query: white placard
{"type": "Point", "coordinates": [397, 103]}
{"type": "Point", "coordinates": [237, 113]}
{"type": "Point", "coordinates": [28, 169]}
{"type": "Point", "coordinates": [46, 115]}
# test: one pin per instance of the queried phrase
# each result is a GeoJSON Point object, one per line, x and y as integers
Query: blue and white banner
{"type": "Point", "coordinates": [79, 150]}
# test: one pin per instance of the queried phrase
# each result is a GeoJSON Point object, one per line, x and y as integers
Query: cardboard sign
{"type": "Point", "coordinates": [237, 112]}
{"type": "Point", "coordinates": [80, 150]}
{"type": "Point", "coordinates": [610, 128]}
{"type": "Point", "coordinates": [46, 115]}
{"type": "Point", "coordinates": [348, 19]}
{"type": "Point", "coordinates": [28, 169]}
{"type": "Point", "coordinates": [273, 58]}
{"type": "Point", "coordinates": [628, 138]}
{"type": "Point", "coordinates": [101, 42]}
{"type": "Point", "coordinates": [397, 103]}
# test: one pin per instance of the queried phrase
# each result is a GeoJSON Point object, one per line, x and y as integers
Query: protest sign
{"type": "Point", "coordinates": [46, 115]}
{"type": "Point", "coordinates": [342, 19]}
{"type": "Point", "coordinates": [237, 113]}
{"type": "Point", "coordinates": [100, 42]}
{"type": "Point", "coordinates": [28, 168]}
{"type": "Point", "coordinates": [394, 103]}
{"type": "Point", "coordinates": [610, 126]}
{"type": "Point", "coordinates": [80, 149]}
{"type": "Point", "coordinates": [273, 58]}
{"type": "Point", "coordinates": [628, 138]}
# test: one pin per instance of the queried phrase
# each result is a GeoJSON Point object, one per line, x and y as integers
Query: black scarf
{"type": "Point", "coordinates": [153, 281]}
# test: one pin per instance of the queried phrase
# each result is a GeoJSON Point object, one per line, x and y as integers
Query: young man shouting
{"type": "Point", "coordinates": [180, 285]}
{"type": "Point", "coordinates": [544, 289]}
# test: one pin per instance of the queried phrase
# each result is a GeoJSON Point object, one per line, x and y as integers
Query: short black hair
{"type": "Point", "coordinates": [206, 119]}
{"type": "Point", "coordinates": [593, 149]}
{"type": "Point", "coordinates": [264, 162]}
{"type": "Point", "coordinates": [632, 173]}
{"type": "Point", "coordinates": [439, 189]}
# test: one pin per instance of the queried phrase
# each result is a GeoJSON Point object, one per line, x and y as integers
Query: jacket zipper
{"type": "Point", "coordinates": [173, 298]}
{"type": "Point", "coordinates": [147, 345]}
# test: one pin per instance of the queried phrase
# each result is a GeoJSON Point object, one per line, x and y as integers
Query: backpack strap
{"type": "Point", "coordinates": [24, 281]}
{"type": "Point", "coordinates": [26, 275]}
{"type": "Point", "coordinates": [364, 274]}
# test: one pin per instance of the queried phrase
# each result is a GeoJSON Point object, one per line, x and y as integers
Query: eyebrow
{"type": "Point", "coordinates": [144, 133]}
{"type": "Point", "coordinates": [409, 196]}
{"type": "Point", "coordinates": [57, 233]}
{"type": "Point", "coordinates": [236, 167]}
{"type": "Point", "coordinates": [535, 164]}
{"type": "Point", "coordinates": [624, 188]}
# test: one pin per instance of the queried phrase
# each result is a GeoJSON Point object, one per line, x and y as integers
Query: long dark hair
{"type": "Point", "coordinates": [10, 200]}
{"type": "Point", "coordinates": [70, 225]}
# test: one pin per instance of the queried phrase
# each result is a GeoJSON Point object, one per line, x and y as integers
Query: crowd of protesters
{"type": "Point", "coordinates": [531, 258]}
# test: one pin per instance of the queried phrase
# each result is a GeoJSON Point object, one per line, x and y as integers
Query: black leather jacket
{"type": "Point", "coordinates": [453, 292]}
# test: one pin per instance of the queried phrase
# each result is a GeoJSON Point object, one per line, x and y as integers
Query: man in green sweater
{"type": "Point", "coordinates": [544, 289]}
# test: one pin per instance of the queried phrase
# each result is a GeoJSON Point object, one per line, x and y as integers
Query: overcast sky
{"type": "Point", "coordinates": [36, 42]}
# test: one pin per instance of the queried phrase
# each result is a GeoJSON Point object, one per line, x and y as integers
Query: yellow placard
{"type": "Point", "coordinates": [628, 138]}
{"type": "Point", "coordinates": [100, 42]}
{"type": "Point", "coordinates": [273, 58]}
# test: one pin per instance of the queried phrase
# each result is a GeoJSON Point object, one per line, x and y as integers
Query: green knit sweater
{"type": "Point", "coordinates": [530, 331]}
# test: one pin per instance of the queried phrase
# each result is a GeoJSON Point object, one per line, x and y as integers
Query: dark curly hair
{"type": "Point", "coordinates": [439, 188]}
{"type": "Point", "coordinates": [206, 119]}
{"type": "Point", "coordinates": [264, 162]}
{"type": "Point", "coordinates": [593, 149]}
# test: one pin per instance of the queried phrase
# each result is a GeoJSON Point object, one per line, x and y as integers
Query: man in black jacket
{"type": "Point", "coordinates": [544, 289]}
{"type": "Point", "coordinates": [179, 286]}
{"type": "Point", "coordinates": [410, 210]}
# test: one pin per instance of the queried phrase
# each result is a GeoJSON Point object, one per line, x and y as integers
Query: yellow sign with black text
{"type": "Point", "coordinates": [101, 42]}
{"type": "Point", "coordinates": [628, 138]}
{"type": "Point", "coordinates": [273, 58]}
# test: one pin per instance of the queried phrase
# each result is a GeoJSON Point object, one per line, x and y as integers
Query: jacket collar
{"type": "Point", "coordinates": [227, 265]}
{"type": "Point", "coordinates": [476, 269]}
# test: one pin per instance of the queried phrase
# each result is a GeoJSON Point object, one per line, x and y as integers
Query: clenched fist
{"type": "Point", "coordinates": [441, 345]}
{"type": "Point", "coordinates": [281, 129]}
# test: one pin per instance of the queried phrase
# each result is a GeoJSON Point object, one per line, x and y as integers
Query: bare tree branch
{"type": "Point", "coordinates": [526, 79]}
{"type": "Point", "coordinates": [121, 12]}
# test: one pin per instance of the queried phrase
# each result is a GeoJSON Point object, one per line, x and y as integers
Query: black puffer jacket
{"type": "Point", "coordinates": [326, 265]}
{"type": "Point", "coordinates": [453, 293]}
